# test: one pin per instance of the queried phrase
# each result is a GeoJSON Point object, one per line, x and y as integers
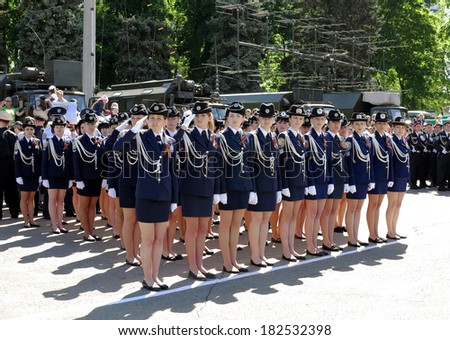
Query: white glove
{"type": "Point", "coordinates": [253, 198]}
{"type": "Point", "coordinates": [70, 184]}
{"type": "Point", "coordinates": [352, 189]}
{"type": "Point", "coordinates": [45, 183]}
{"type": "Point", "coordinates": [312, 190]}
{"type": "Point", "coordinates": [444, 151]}
{"type": "Point", "coordinates": [223, 198]}
{"type": "Point", "coordinates": [346, 188]}
{"type": "Point", "coordinates": [112, 192]}
{"type": "Point", "coordinates": [286, 192]}
{"type": "Point", "coordinates": [173, 207]}
{"type": "Point", "coordinates": [188, 120]}
{"type": "Point", "coordinates": [40, 179]}
{"type": "Point", "coordinates": [330, 189]}
{"type": "Point", "coordinates": [104, 183]}
{"type": "Point", "coordinates": [279, 196]}
{"type": "Point", "coordinates": [216, 199]}
{"type": "Point", "coordinates": [371, 186]}
{"type": "Point", "coordinates": [390, 184]}
{"type": "Point", "coordinates": [139, 124]}
{"type": "Point", "coordinates": [19, 180]}
{"type": "Point", "coordinates": [306, 191]}
{"type": "Point", "coordinates": [80, 185]}
{"type": "Point", "coordinates": [124, 124]}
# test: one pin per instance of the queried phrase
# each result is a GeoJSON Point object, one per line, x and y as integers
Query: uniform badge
{"type": "Point", "coordinates": [306, 143]}
{"type": "Point", "coordinates": [348, 144]}
{"type": "Point", "coordinates": [281, 141]}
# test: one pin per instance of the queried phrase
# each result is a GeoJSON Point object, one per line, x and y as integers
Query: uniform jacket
{"type": "Point", "coordinates": [32, 148]}
{"type": "Point", "coordinates": [318, 162]}
{"type": "Point", "coordinates": [198, 176]}
{"type": "Point", "coordinates": [292, 159]}
{"type": "Point", "coordinates": [416, 141]}
{"type": "Point", "coordinates": [383, 171]}
{"type": "Point", "coordinates": [266, 177]}
{"type": "Point", "coordinates": [88, 167]}
{"type": "Point", "coordinates": [442, 142]}
{"type": "Point", "coordinates": [359, 172]}
{"type": "Point", "coordinates": [338, 150]}
{"type": "Point", "coordinates": [400, 163]}
{"type": "Point", "coordinates": [52, 168]}
{"type": "Point", "coordinates": [127, 151]}
{"type": "Point", "coordinates": [151, 184]}
{"type": "Point", "coordinates": [235, 175]}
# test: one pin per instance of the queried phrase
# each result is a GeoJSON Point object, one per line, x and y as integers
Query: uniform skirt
{"type": "Point", "coordinates": [235, 200]}
{"type": "Point", "coordinates": [380, 189]}
{"type": "Point", "coordinates": [92, 188]}
{"type": "Point", "coordinates": [30, 184]}
{"type": "Point", "coordinates": [150, 211]}
{"type": "Point", "coordinates": [399, 185]}
{"type": "Point", "coordinates": [360, 194]}
{"type": "Point", "coordinates": [127, 198]}
{"type": "Point", "coordinates": [321, 192]}
{"type": "Point", "coordinates": [337, 192]}
{"type": "Point", "coordinates": [267, 201]}
{"type": "Point", "coordinates": [196, 206]}
{"type": "Point", "coordinates": [297, 194]}
{"type": "Point", "coordinates": [58, 183]}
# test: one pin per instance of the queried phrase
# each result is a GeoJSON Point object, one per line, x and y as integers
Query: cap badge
{"type": "Point", "coordinates": [298, 111]}
{"type": "Point", "coordinates": [382, 116]}
{"type": "Point", "coordinates": [156, 108]}
{"type": "Point", "coordinates": [267, 111]}
{"type": "Point", "coordinates": [319, 111]}
{"type": "Point", "coordinates": [198, 108]}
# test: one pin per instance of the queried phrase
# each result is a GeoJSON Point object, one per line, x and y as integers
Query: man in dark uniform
{"type": "Point", "coordinates": [427, 154]}
{"type": "Point", "coordinates": [416, 141]}
{"type": "Point", "coordinates": [7, 176]}
{"type": "Point", "coordinates": [442, 148]}
{"type": "Point", "coordinates": [433, 167]}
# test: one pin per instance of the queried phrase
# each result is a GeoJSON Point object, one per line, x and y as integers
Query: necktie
{"type": "Point", "coordinates": [336, 137]}
{"type": "Point", "coordinates": [238, 135]}
{"type": "Point", "coordinates": [158, 139]}
{"type": "Point", "coordinates": [269, 138]}
{"type": "Point", "coordinates": [205, 138]}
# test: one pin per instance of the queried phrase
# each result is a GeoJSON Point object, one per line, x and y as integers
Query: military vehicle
{"type": "Point", "coordinates": [177, 92]}
{"type": "Point", "coordinates": [26, 86]}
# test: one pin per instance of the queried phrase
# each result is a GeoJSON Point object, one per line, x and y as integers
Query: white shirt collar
{"type": "Point", "coordinates": [201, 130]}
{"type": "Point", "coordinates": [331, 133]}
{"type": "Point", "coordinates": [264, 132]}
{"type": "Point", "coordinates": [294, 132]}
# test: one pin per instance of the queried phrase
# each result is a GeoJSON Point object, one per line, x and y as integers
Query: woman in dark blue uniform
{"type": "Point", "coordinates": [360, 174]}
{"type": "Point", "coordinates": [383, 171]}
{"type": "Point", "coordinates": [235, 185]}
{"type": "Point", "coordinates": [113, 171]}
{"type": "Point", "coordinates": [27, 159]}
{"type": "Point", "coordinates": [57, 172]}
{"type": "Point", "coordinates": [293, 177]}
{"type": "Point", "coordinates": [400, 165]}
{"type": "Point", "coordinates": [319, 179]}
{"type": "Point", "coordinates": [131, 235]}
{"type": "Point", "coordinates": [263, 162]}
{"type": "Point", "coordinates": [88, 165]}
{"type": "Point", "coordinates": [173, 118]}
{"type": "Point", "coordinates": [156, 190]}
{"type": "Point", "coordinates": [199, 183]}
{"type": "Point", "coordinates": [337, 147]}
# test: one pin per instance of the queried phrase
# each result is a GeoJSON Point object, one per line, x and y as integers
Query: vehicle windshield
{"type": "Point", "coordinates": [81, 102]}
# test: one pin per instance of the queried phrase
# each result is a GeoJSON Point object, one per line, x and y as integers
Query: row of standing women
{"type": "Point", "coordinates": [152, 173]}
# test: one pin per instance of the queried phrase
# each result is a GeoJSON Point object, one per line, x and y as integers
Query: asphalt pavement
{"type": "Point", "coordinates": [61, 277]}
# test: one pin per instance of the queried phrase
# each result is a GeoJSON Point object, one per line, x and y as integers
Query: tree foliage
{"type": "Point", "coordinates": [245, 45]}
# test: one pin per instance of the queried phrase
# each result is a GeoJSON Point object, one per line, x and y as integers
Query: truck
{"type": "Point", "coordinates": [368, 102]}
{"type": "Point", "coordinates": [178, 92]}
{"type": "Point", "coordinates": [26, 86]}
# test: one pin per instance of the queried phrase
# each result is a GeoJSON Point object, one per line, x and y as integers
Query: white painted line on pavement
{"type": "Point", "coordinates": [244, 275]}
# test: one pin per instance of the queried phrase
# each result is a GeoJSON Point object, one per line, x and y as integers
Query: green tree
{"type": "Point", "coordinates": [48, 30]}
{"type": "Point", "coordinates": [417, 57]}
